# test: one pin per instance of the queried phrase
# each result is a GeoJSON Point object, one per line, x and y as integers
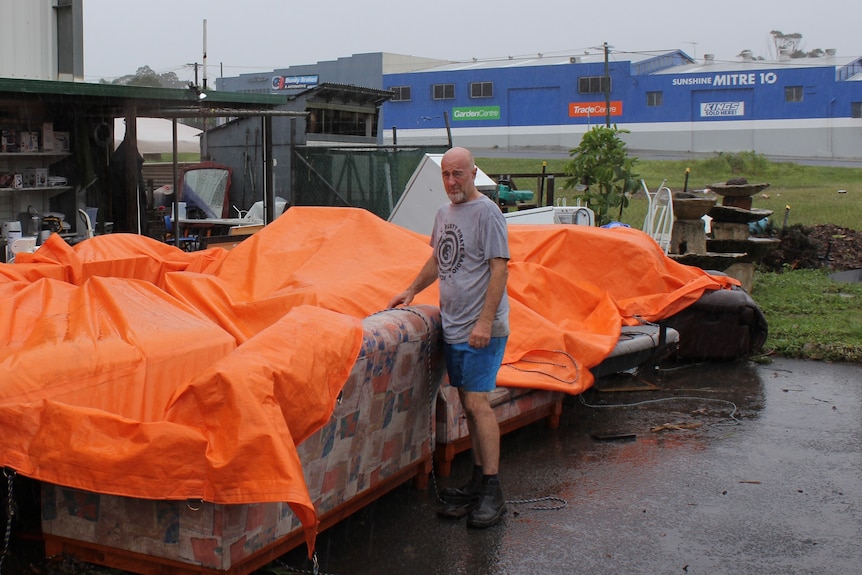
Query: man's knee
{"type": "Point", "coordinates": [475, 402]}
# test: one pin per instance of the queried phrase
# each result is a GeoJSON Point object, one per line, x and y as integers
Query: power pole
{"type": "Point", "coordinates": [607, 89]}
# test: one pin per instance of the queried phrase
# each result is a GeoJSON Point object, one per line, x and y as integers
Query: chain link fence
{"type": "Point", "coordinates": [372, 178]}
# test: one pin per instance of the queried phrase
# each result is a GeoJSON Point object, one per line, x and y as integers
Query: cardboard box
{"type": "Point", "coordinates": [48, 137]}
{"type": "Point", "coordinates": [8, 141]}
{"type": "Point", "coordinates": [35, 177]}
{"type": "Point", "coordinates": [28, 141]}
{"type": "Point", "coordinates": [61, 142]}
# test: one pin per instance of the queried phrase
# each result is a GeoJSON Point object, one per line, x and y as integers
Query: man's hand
{"type": "Point", "coordinates": [426, 277]}
{"type": "Point", "coordinates": [481, 335]}
{"type": "Point", "coordinates": [404, 298]}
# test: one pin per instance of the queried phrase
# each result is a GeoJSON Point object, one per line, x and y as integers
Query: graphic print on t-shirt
{"type": "Point", "coordinates": [450, 251]}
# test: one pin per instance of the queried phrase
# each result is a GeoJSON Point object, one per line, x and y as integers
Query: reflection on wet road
{"type": "Point", "coordinates": [734, 468]}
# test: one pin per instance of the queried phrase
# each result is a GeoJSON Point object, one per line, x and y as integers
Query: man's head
{"type": "Point", "coordinates": [459, 174]}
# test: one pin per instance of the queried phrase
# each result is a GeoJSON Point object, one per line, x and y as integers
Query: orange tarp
{"type": "Point", "coordinates": [129, 367]}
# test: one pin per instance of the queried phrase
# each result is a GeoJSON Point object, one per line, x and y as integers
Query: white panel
{"type": "Point", "coordinates": [28, 44]}
{"type": "Point", "coordinates": [424, 194]}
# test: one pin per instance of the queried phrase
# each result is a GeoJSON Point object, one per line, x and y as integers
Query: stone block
{"type": "Point", "coordinates": [688, 237]}
{"type": "Point", "coordinates": [729, 231]}
{"type": "Point", "coordinates": [743, 202]}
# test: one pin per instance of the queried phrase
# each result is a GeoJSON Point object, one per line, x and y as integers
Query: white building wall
{"type": "Point", "coordinates": [28, 39]}
{"type": "Point", "coordinates": [842, 140]}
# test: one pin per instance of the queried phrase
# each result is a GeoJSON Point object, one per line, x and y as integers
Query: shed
{"type": "Point", "coordinates": [69, 135]}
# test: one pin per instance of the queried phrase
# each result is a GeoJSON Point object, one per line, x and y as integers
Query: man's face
{"type": "Point", "coordinates": [457, 179]}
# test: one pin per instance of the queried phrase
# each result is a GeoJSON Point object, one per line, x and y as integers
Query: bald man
{"type": "Point", "coordinates": [470, 260]}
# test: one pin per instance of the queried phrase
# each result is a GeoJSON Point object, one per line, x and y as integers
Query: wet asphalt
{"type": "Point", "coordinates": [736, 468]}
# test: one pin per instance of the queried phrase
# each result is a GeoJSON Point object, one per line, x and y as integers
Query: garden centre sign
{"type": "Point", "coordinates": [476, 113]}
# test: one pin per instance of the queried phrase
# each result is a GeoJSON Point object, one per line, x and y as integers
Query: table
{"type": "Point", "coordinates": [207, 225]}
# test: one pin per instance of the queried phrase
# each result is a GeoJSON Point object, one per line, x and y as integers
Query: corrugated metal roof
{"type": "Point", "coordinates": [706, 66]}
{"type": "Point", "coordinates": [546, 60]}
{"type": "Point", "coordinates": [345, 92]}
{"type": "Point", "coordinates": [146, 99]}
{"type": "Point", "coordinates": [634, 58]}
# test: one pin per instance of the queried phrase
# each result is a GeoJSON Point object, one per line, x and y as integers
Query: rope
{"type": "Point", "coordinates": [574, 364]}
{"type": "Point", "coordinates": [732, 415]}
{"type": "Point", "coordinates": [561, 503]}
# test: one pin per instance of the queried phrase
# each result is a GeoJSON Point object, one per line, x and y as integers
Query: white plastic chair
{"type": "Point", "coordinates": [88, 223]}
{"type": "Point", "coordinates": [658, 223]}
{"type": "Point", "coordinates": [20, 246]}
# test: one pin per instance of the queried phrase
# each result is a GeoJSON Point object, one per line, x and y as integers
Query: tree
{"type": "Point", "coordinates": [788, 43]}
{"type": "Point", "coordinates": [145, 76]}
{"type": "Point", "coordinates": [601, 164]}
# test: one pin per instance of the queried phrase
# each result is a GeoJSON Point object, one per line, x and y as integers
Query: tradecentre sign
{"type": "Point", "coordinates": [589, 109]}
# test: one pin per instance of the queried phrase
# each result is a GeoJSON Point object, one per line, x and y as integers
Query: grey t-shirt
{"type": "Point", "coordinates": [464, 238]}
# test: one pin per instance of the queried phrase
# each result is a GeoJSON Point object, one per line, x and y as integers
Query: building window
{"type": "Point", "coordinates": [654, 99]}
{"type": "Point", "coordinates": [793, 94]}
{"type": "Point", "coordinates": [337, 122]}
{"type": "Point", "coordinates": [481, 89]}
{"type": "Point", "coordinates": [402, 93]}
{"type": "Point", "coordinates": [593, 84]}
{"type": "Point", "coordinates": [856, 109]}
{"type": "Point", "coordinates": [443, 91]}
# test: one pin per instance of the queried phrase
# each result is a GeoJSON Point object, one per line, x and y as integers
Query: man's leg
{"type": "Point", "coordinates": [467, 495]}
{"type": "Point", "coordinates": [484, 430]}
{"type": "Point", "coordinates": [474, 372]}
{"type": "Point", "coordinates": [485, 433]}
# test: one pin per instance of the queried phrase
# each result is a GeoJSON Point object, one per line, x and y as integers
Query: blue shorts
{"type": "Point", "coordinates": [474, 369]}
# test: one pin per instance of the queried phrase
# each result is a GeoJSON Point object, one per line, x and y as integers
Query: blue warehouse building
{"type": "Point", "coordinates": [667, 100]}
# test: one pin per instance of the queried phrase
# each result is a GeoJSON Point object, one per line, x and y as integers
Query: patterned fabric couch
{"type": "Point", "coordinates": [378, 437]}
{"type": "Point", "coordinates": [517, 407]}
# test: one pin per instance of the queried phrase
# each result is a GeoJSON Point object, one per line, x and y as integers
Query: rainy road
{"type": "Point", "coordinates": [735, 468]}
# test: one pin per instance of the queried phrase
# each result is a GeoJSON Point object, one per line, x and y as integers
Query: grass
{"type": "Point", "coordinates": [809, 315]}
{"type": "Point", "coordinates": [811, 192]}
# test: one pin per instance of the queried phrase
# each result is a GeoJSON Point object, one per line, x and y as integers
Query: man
{"type": "Point", "coordinates": [470, 259]}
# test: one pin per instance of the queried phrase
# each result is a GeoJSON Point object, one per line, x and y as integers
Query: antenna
{"type": "Point", "coordinates": [205, 53]}
{"type": "Point", "coordinates": [694, 44]}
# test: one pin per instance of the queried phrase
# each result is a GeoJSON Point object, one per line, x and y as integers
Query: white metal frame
{"type": "Point", "coordinates": [658, 223]}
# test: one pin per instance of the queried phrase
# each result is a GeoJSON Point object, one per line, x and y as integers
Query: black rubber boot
{"type": "Point", "coordinates": [467, 493]}
{"type": "Point", "coordinates": [492, 506]}
{"type": "Point", "coordinates": [457, 510]}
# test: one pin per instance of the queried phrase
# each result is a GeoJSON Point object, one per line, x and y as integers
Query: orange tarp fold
{"type": "Point", "coordinates": [132, 368]}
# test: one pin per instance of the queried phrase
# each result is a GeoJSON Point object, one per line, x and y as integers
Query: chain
{"type": "Point", "coordinates": [285, 569]}
{"type": "Point", "coordinates": [431, 397]}
{"type": "Point", "coordinates": [10, 512]}
{"type": "Point", "coordinates": [316, 565]}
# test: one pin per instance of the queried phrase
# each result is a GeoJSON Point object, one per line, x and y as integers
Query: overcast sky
{"type": "Point", "coordinates": [261, 35]}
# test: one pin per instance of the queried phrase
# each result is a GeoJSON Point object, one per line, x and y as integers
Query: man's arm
{"type": "Point", "coordinates": [427, 276]}
{"type": "Point", "coordinates": [481, 334]}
